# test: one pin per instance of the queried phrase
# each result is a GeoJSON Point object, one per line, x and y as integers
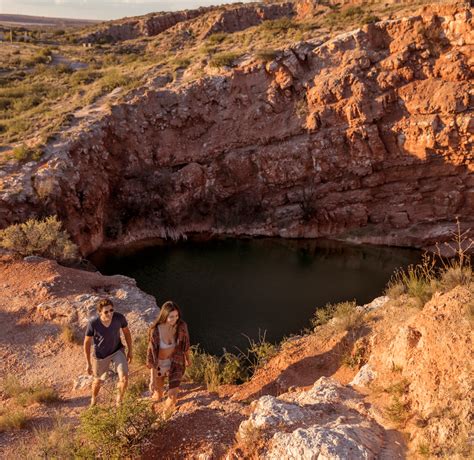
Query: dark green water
{"type": "Point", "coordinates": [227, 288]}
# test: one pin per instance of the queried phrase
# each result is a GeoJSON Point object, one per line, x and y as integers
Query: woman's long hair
{"type": "Point", "coordinates": [165, 310]}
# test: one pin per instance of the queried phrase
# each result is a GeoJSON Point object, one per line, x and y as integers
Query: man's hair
{"type": "Point", "coordinates": [103, 303]}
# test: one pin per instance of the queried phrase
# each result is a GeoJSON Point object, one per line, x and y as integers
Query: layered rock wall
{"type": "Point", "coordinates": [214, 19]}
{"type": "Point", "coordinates": [367, 136]}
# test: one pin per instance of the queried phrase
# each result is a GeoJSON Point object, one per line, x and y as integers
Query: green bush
{"type": "Point", "coordinates": [228, 369]}
{"type": "Point", "coordinates": [232, 369]}
{"type": "Point", "coordinates": [118, 432]}
{"type": "Point", "coordinates": [224, 59]}
{"type": "Point", "coordinates": [204, 368]}
{"type": "Point", "coordinates": [43, 238]}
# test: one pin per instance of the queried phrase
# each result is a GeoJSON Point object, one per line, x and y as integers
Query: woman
{"type": "Point", "coordinates": [168, 352]}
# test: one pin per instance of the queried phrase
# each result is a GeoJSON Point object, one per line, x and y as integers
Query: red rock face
{"type": "Point", "coordinates": [216, 19]}
{"type": "Point", "coordinates": [366, 137]}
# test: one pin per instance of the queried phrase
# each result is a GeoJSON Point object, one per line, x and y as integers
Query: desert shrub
{"type": "Point", "coordinates": [24, 153]}
{"type": "Point", "coordinates": [113, 79]}
{"type": "Point", "coordinates": [224, 59]}
{"type": "Point", "coordinates": [455, 275]}
{"type": "Point", "coordinates": [21, 153]}
{"type": "Point", "coordinates": [418, 281]}
{"type": "Point", "coordinates": [458, 269]}
{"type": "Point", "coordinates": [204, 368]}
{"type": "Point", "coordinates": [397, 411]}
{"type": "Point", "coordinates": [277, 25]}
{"type": "Point", "coordinates": [26, 395]}
{"type": "Point", "coordinates": [118, 432]}
{"type": "Point", "coordinates": [43, 238]}
{"type": "Point", "coordinates": [181, 63]}
{"type": "Point", "coordinates": [423, 449]}
{"type": "Point", "coordinates": [12, 420]}
{"type": "Point", "coordinates": [216, 38]}
{"type": "Point", "coordinates": [138, 386]}
{"type": "Point", "coordinates": [346, 314]}
{"type": "Point", "coordinates": [259, 352]}
{"type": "Point", "coordinates": [70, 335]}
{"type": "Point", "coordinates": [232, 369]}
{"type": "Point", "coordinates": [11, 386]}
{"type": "Point", "coordinates": [323, 315]}
{"type": "Point", "coordinates": [355, 358]}
{"type": "Point", "coordinates": [352, 11]}
{"type": "Point", "coordinates": [5, 103]}
{"type": "Point", "coordinates": [266, 54]}
{"type": "Point", "coordinates": [38, 393]}
{"type": "Point", "coordinates": [83, 77]}
{"type": "Point", "coordinates": [398, 388]}
{"type": "Point", "coordinates": [26, 103]}
{"type": "Point", "coordinates": [61, 441]}
{"type": "Point", "coordinates": [370, 18]}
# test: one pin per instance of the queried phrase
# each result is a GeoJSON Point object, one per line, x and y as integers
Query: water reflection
{"type": "Point", "coordinates": [232, 287]}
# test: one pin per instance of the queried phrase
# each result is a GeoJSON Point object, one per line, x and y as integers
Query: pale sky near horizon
{"type": "Point", "coordinates": [98, 9]}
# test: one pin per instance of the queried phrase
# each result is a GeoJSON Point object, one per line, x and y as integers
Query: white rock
{"type": "Point", "coordinates": [325, 422]}
{"type": "Point", "coordinates": [376, 303]}
{"type": "Point", "coordinates": [83, 381]}
{"type": "Point", "coordinates": [365, 375]}
{"type": "Point", "coordinates": [318, 443]}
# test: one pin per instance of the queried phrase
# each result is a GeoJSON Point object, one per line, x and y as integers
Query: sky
{"type": "Point", "coordinates": [98, 9]}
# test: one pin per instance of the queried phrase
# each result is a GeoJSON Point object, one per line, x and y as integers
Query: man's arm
{"type": "Point", "coordinates": [128, 339]}
{"type": "Point", "coordinates": [87, 352]}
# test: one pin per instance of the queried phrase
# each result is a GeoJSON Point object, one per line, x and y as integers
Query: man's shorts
{"type": "Point", "coordinates": [101, 366]}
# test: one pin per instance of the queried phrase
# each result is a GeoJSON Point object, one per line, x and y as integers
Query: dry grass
{"type": "Point", "coordinates": [30, 394]}
{"type": "Point", "coordinates": [70, 335]}
{"type": "Point", "coordinates": [12, 420]}
{"type": "Point", "coordinates": [343, 316]}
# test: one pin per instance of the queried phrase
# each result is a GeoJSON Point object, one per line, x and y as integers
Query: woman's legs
{"type": "Point", "coordinates": [157, 385]}
{"type": "Point", "coordinates": [173, 396]}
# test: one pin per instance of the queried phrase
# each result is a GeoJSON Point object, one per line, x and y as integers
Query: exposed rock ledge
{"type": "Point", "coordinates": [367, 137]}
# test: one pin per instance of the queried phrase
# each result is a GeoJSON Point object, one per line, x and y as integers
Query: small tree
{"type": "Point", "coordinates": [43, 238]}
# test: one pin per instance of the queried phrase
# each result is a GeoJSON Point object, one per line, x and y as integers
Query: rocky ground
{"type": "Point", "coordinates": [397, 385]}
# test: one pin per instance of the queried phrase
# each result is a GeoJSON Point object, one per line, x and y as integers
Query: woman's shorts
{"type": "Point", "coordinates": [101, 366]}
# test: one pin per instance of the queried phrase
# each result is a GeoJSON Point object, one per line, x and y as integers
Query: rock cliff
{"type": "Point", "coordinates": [366, 137]}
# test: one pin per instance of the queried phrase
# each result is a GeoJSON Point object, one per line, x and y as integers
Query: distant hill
{"type": "Point", "coordinates": [21, 20]}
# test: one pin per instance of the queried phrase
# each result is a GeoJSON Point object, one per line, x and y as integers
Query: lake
{"type": "Point", "coordinates": [232, 288]}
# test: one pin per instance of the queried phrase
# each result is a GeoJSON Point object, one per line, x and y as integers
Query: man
{"type": "Point", "coordinates": [104, 331]}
